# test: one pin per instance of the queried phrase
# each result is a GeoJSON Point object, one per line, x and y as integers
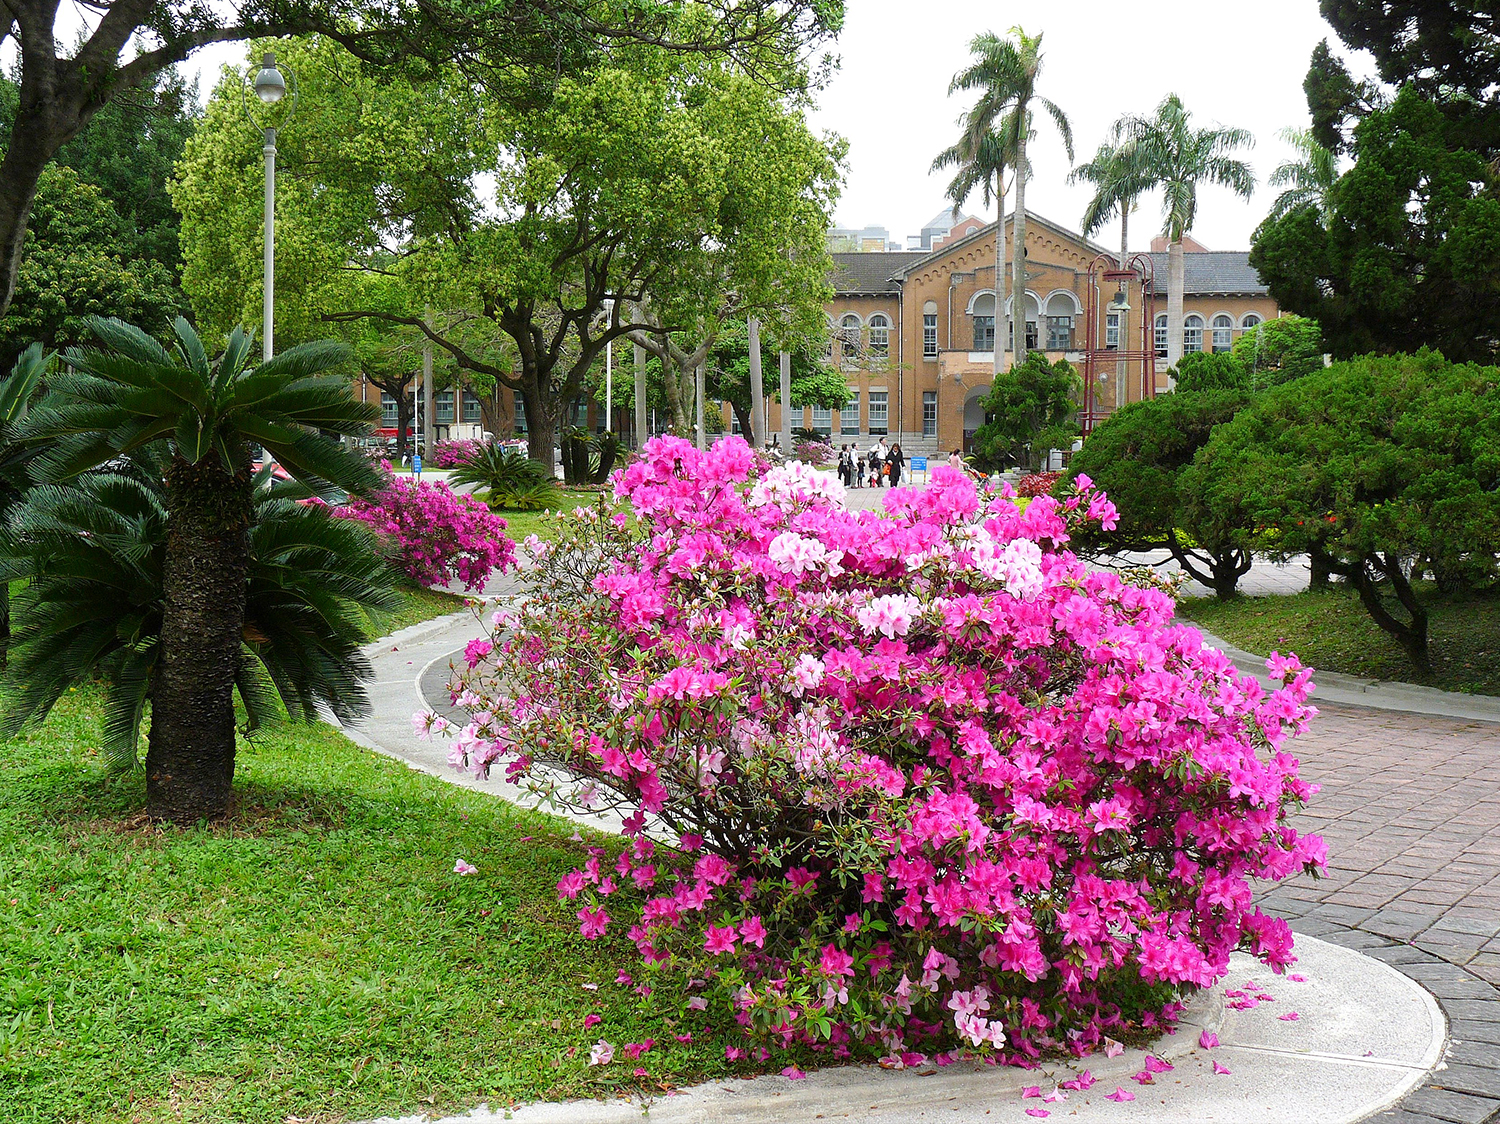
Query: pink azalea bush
{"type": "Point", "coordinates": [451, 454]}
{"type": "Point", "coordinates": [440, 536]}
{"type": "Point", "coordinates": [893, 782]}
{"type": "Point", "coordinates": [816, 453]}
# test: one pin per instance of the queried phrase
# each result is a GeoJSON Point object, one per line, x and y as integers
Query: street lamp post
{"type": "Point", "coordinates": [270, 87]}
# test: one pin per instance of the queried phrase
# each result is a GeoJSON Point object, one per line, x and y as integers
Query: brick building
{"type": "Point", "coordinates": [914, 331]}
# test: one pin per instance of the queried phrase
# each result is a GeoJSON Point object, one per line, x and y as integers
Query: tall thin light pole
{"type": "Point", "coordinates": [757, 386]}
{"type": "Point", "coordinates": [609, 386]}
{"type": "Point", "coordinates": [641, 432]}
{"type": "Point", "coordinates": [270, 87]}
{"type": "Point", "coordinates": [786, 403]}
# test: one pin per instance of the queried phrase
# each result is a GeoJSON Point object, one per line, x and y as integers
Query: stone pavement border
{"type": "Point", "coordinates": [1466, 1088]}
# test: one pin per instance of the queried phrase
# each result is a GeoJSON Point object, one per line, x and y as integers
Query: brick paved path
{"type": "Point", "coordinates": [1410, 807]}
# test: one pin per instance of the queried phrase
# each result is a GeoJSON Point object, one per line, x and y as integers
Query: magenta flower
{"type": "Point", "coordinates": [1208, 1040]}
{"type": "Point", "coordinates": [593, 922]}
{"type": "Point", "coordinates": [753, 931]}
{"type": "Point", "coordinates": [592, 1020]}
{"type": "Point", "coordinates": [719, 940]}
{"type": "Point", "coordinates": [1120, 1096]}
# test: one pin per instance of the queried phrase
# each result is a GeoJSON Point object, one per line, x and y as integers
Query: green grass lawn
{"type": "Point", "coordinates": [417, 605]}
{"type": "Point", "coordinates": [1332, 632]}
{"type": "Point", "coordinates": [312, 958]}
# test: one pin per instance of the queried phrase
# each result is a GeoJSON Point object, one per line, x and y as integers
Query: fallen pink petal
{"type": "Point", "coordinates": [462, 867]}
{"type": "Point", "coordinates": [1113, 1049]}
{"type": "Point", "coordinates": [1156, 1065]}
{"type": "Point", "coordinates": [1119, 1096]}
{"type": "Point", "coordinates": [1143, 1078]}
{"type": "Point", "coordinates": [1297, 979]}
{"type": "Point", "coordinates": [1208, 1040]}
{"type": "Point", "coordinates": [792, 1073]}
{"type": "Point", "coordinates": [1055, 1096]}
{"type": "Point", "coordinates": [1037, 1112]}
{"type": "Point", "coordinates": [1289, 1017]}
{"type": "Point", "coordinates": [1031, 1091]}
{"type": "Point", "coordinates": [1220, 1069]}
{"type": "Point", "coordinates": [592, 1020]}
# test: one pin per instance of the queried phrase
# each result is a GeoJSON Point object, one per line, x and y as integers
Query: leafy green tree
{"type": "Point", "coordinates": [73, 269]}
{"type": "Point", "coordinates": [1280, 350]}
{"type": "Point", "coordinates": [94, 553]}
{"type": "Point", "coordinates": [1379, 467]}
{"type": "Point", "coordinates": [1201, 371]}
{"type": "Point", "coordinates": [520, 48]}
{"type": "Point", "coordinates": [1178, 158]}
{"type": "Point", "coordinates": [132, 394]}
{"type": "Point", "coordinates": [1005, 72]}
{"type": "Point", "coordinates": [1406, 256]}
{"type": "Point", "coordinates": [1138, 455]}
{"type": "Point", "coordinates": [1306, 181]}
{"type": "Point", "coordinates": [814, 381]}
{"type": "Point", "coordinates": [1028, 413]}
{"type": "Point", "coordinates": [1438, 45]}
{"type": "Point", "coordinates": [1119, 176]}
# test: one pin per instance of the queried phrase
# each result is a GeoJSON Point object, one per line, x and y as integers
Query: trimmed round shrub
{"type": "Point", "coordinates": [894, 783]}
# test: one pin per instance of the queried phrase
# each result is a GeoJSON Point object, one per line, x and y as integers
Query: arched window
{"type": "Point", "coordinates": [880, 336]}
{"type": "Point", "coordinates": [1250, 320]}
{"type": "Point", "coordinates": [982, 310]}
{"type": "Point", "coordinates": [849, 333]}
{"type": "Point", "coordinates": [1223, 332]}
{"type": "Point", "coordinates": [1062, 307]}
{"type": "Point", "coordinates": [1192, 334]}
{"type": "Point", "coordinates": [1161, 336]}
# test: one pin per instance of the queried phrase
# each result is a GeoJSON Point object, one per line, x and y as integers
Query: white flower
{"type": "Point", "coordinates": [807, 673]}
{"type": "Point", "coordinates": [891, 614]}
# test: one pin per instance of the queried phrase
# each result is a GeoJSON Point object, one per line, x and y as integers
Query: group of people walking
{"type": "Point", "coordinates": [882, 465]}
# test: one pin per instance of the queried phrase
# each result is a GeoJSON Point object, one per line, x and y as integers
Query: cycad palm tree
{"type": "Point", "coordinates": [133, 394]}
{"type": "Point", "coordinates": [94, 551]}
{"type": "Point", "coordinates": [1005, 73]}
{"type": "Point", "coordinates": [16, 392]}
{"type": "Point", "coordinates": [1177, 158]}
{"type": "Point", "coordinates": [1306, 180]}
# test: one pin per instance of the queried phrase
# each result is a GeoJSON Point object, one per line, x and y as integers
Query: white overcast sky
{"type": "Point", "coordinates": [1236, 64]}
{"type": "Point", "coordinates": [1232, 63]}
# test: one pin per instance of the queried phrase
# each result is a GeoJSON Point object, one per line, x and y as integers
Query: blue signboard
{"type": "Point", "coordinates": [919, 464]}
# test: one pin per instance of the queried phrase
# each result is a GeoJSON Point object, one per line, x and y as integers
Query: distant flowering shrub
{"type": "Point", "coordinates": [1038, 484]}
{"type": "Point", "coordinates": [893, 783]}
{"type": "Point", "coordinates": [441, 536]}
{"type": "Point", "coordinates": [815, 453]}
{"type": "Point", "coordinates": [450, 454]}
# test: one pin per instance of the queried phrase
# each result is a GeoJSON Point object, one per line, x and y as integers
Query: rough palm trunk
{"type": "Point", "coordinates": [1018, 253]}
{"type": "Point", "coordinates": [1122, 368]}
{"type": "Point", "coordinates": [1176, 282]}
{"type": "Point", "coordinates": [756, 433]}
{"type": "Point", "coordinates": [999, 348]}
{"type": "Point", "coordinates": [190, 748]}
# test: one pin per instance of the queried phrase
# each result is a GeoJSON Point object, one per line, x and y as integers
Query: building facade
{"type": "Point", "coordinates": [915, 331]}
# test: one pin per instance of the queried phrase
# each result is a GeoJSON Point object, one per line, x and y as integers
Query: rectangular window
{"type": "Point", "coordinates": [1112, 331]}
{"type": "Point", "coordinates": [822, 421]}
{"type": "Point", "coordinates": [929, 413]}
{"type": "Point", "coordinates": [734, 421]}
{"type": "Point", "coordinates": [520, 422]}
{"type": "Point", "coordinates": [984, 333]}
{"type": "Point", "coordinates": [1161, 337]}
{"type": "Point", "coordinates": [387, 411]}
{"type": "Point", "coordinates": [472, 413]}
{"type": "Point", "coordinates": [1059, 333]}
{"type": "Point", "coordinates": [1030, 334]}
{"type": "Point", "coordinates": [929, 335]}
{"type": "Point", "coordinates": [443, 401]}
{"type": "Point", "coordinates": [880, 411]}
{"type": "Point", "coordinates": [1192, 337]}
{"type": "Point", "coordinates": [849, 416]}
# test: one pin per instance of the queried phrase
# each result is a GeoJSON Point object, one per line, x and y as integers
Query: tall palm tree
{"type": "Point", "coordinates": [94, 553]}
{"type": "Point", "coordinates": [1307, 180]}
{"type": "Point", "coordinates": [981, 157]}
{"type": "Point", "coordinates": [1119, 177]}
{"type": "Point", "coordinates": [132, 394]}
{"type": "Point", "coordinates": [1005, 72]}
{"type": "Point", "coordinates": [1177, 158]}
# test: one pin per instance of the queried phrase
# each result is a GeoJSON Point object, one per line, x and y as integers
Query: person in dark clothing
{"type": "Point", "coordinates": [875, 464]}
{"type": "Point", "coordinates": [897, 461]}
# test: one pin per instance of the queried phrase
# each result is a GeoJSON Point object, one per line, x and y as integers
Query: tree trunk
{"type": "Point", "coordinates": [641, 426]}
{"type": "Point", "coordinates": [541, 431]}
{"type": "Point", "coordinates": [4, 622]}
{"type": "Point", "coordinates": [1411, 636]}
{"type": "Point", "coordinates": [700, 395]}
{"type": "Point", "coordinates": [1018, 252]}
{"type": "Point", "coordinates": [1220, 570]}
{"type": "Point", "coordinates": [36, 134]}
{"type": "Point", "coordinates": [1176, 282]}
{"type": "Point", "coordinates": [190, 748]}
{"type": "Point", "coordinates": [403, 422]}
{"type": "Point", "coordinates": [1320, 565]}
{"type": "Point", "coordinates": [1122, 368]}
{"type": "Point", "coordinates": [784, 359]}
{"type": "Point", "coordinates": [429, 404]}
{"type": "Point", "coordinates": [495, 417]}
{"type": "Point", "coordinates": [746, 418]}
{"type": "Point", "coordinates": [998, 354]}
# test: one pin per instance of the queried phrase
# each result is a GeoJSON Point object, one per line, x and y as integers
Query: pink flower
{"type": "Point", "coordinates": [719, 940]}
{"type": "Point", "coordinates": [591, 1020]}
{"type": "Point", "coordinates": [593, 922]}
{"type": "Point", "coordinates": [1221, 1070]}
{"type": "Point", "coordinates": [1120, 1096]}
{"type": "Point", "coordinates": [1113, 1049]}
{"type": "Point", "coordinates": [602, 1054]}
{"type": "Point", "coordinates": [1031, 1091]}
{"type": "Point", "coordinates": [792, 1073]}
{"type": "Point", "coordinates": [753, 931]}
{"type": "Point", "coordinates": [462, 867]}
{"type": "Point", "coordinates": [634, 1050]}
{"type": "Point", "coordinates": [836, 962]}
{"type": "Point", "coordinates": [1156, 1065]}
{"type": "Point", "coordinates": [735, 1054]}
{"type": "Point", "coordinates": [1208, 1040]}
{"type": "Point", "coordinates": [1296, 978]}
{"type": "Point", "coordinates": [1037, 1112]}
{"type": "Point", "coordinates": [570, 884]}
{"type": "Point", "coordinates": [1289, 1017]}
{"type": "Point", "coordinates": [624, 978]}
{"type": "Point", "coordinates": [697, 1003]}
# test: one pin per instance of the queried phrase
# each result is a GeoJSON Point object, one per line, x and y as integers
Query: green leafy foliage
{"type": "Point", "coordinates": [1137, 457]}
{"type": "Point", "coordinates": [1280, 350]}
{"type": "Point", "coordinates": [1406, 256]}
{"type": "Point", "coordinates": [494, 466]}
{"type": "Point", "coordinates": [1200, 371]}
{"type": "Point", "coordinates": [1028, 412]}
{"type": "Point", "coordinates": [1382, 466]}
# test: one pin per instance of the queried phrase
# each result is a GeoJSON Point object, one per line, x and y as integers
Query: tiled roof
{"type": "Point", "coordinates": [1213, 271]}
{"type": "Point", "coordinates": [873, 272]}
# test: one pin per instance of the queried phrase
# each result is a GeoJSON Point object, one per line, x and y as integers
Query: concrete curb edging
{"type": "Point", "coordinates": [1334, 687]}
